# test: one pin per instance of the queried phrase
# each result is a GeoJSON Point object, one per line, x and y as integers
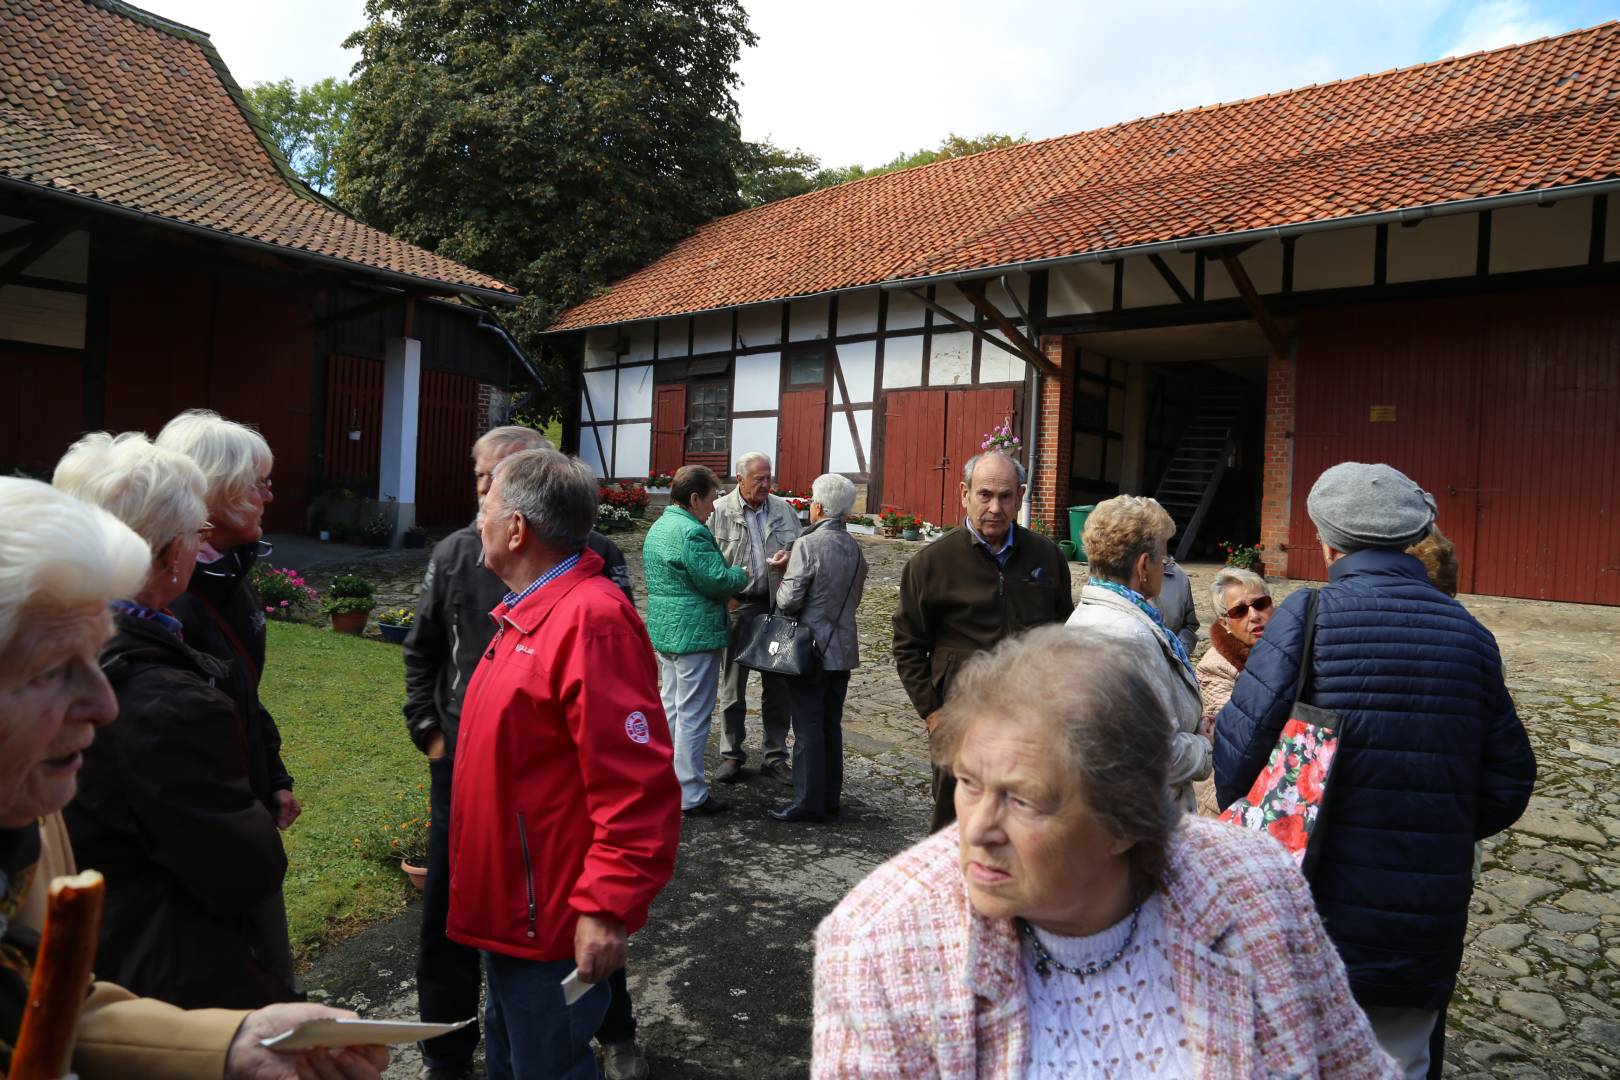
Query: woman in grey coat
{"type": "Point", "coordinates": [825, 575]}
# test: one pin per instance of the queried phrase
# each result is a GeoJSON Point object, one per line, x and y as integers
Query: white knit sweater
{"type": "Point", "coordinates": [1123, 1022]}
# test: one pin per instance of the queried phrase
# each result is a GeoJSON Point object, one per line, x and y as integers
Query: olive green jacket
{"type": "Point", "coordinates": [688, 584]}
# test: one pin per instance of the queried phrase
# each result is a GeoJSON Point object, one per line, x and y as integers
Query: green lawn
{"type": "Point", "coordinates": [337, 701]}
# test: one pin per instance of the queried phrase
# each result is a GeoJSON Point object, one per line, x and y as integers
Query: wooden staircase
{"type": "Point", "coordinates": [1194, 476]}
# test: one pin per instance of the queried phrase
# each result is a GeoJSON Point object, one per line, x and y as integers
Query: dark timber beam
{"type": "Point", "coordinates": [1017, 342]}
{"type": "Point", "coordinates": [38, 245]}
{"type": "Point", "coordinates": [371, 307]}
{"type": "Point", "coordinates": [1251, 300]}
{"type": "Point", "coordinates": [1170, 278]}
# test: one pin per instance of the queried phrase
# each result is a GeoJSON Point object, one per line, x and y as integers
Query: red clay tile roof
{"type": "Point", "coordinates": [1523, 118]}
{"type": "Point", "coordinates": [108, 102]}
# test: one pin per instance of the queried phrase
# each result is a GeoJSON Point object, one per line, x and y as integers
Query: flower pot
{"type": "Point", "coordinates": [1259, 567]}
{"type": "Point", "coordinates": [394, 635]}
{"type": "Point", "coordinates": [910, 534]}
{"type": "Point", "coordinates": [417, 874]}
{"type": "Point", "coordinates": [861, 530]}
{"type": "Point", "coordinates": [1067, 547]}
{"type": "Point", "coordinates": [349, 622]}
{"type": "Point", "coordinates": [639, 512]}
{"type": "Point", "coordinates": [657, 490]}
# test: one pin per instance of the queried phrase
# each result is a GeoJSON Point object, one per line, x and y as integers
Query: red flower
{"type": "Point", "coordinates": [1310, 782]}
{"type": "Point", "coordinates": [1291, 831]}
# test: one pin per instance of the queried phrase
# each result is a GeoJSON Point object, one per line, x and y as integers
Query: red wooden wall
{"type": "Point", "coordinates": [800, 435]}
{"type": "Point", "coordinates": [447, 425]}
{"type": "Point", "coordinates": [353, 403]}
{"type": "Point", "coordinates": [928, 436]}
{"type": "Point", "coordinates": [41, 408]}
{"type": "Point", "coordinates": [1506, 409]}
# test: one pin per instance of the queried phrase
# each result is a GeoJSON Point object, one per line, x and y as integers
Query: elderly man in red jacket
{"type": "Point", "coordinates": [565, 812]}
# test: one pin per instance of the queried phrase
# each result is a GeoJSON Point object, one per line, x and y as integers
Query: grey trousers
{"type": "Point", "coordinates": [734, 701]}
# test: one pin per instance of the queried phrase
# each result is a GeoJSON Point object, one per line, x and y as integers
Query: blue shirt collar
{"type": "Point", "coordinates": [513, 599]}
{"type": "Point", "coordinates": [1004, 552]}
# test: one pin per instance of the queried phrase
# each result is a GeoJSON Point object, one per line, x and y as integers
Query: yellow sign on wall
{"type": "Point", "coordinates": [1381, 414]}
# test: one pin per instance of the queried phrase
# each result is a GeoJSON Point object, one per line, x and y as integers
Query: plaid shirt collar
{"type": "Point", "coordinates": [513, 599]}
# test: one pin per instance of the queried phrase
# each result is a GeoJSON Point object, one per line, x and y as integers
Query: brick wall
{"type": "Point", "coordinates": [1279, 463]}
{"type": "Point", "coordinates": [1054, 440]}
{"type": "Point", "coordinates": [492, 406]}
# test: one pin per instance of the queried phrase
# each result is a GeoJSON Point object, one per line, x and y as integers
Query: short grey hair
{"type": "Point", "coordinates": [233, 458]}
{"type": "Point", "coordinates": [973, 463]}
{"type": "Point", "coordinates": [835, 493]}
{"type": "Point", "coordinates": [508, 438]}
{"type": "Point", "coordinates": [1226, 577]}
{"type": "Point", "coordinates": [1098, 702]}
{"type": "Point", "coordinates": [555, 493]}
{"type": "Point", "coordinates": [159, 493]}
{"type": "Point", "coordinates": [59, 551]}
{"type": "Point", "coordinates": [749, 458]}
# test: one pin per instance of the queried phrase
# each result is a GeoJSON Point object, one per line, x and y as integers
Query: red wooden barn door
{"type": "Point", "coordinates": [447, 424]}
{"type": "Point", "coordinates": [41, 409]}
{"type": "Point", "coordinates": [914, 452]}
{"type": "Point", "coordinates": [800, 436]}
{"type": "Point", "coordinates": [669, 430]}
{"type": "Point", "coordinates": [353, 406]}
{"type": "Point", "coordinates": [969, 415]}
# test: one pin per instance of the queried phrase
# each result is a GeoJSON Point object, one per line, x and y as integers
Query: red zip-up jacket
{"type": "Point", "coordinates": [564, 800]}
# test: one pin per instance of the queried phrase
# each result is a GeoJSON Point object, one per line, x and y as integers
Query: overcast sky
{"type": "Point", "coordinates": [859, 81]}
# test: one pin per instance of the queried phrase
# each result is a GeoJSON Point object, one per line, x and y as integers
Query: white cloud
{"type": "Point", "coordinates": [1500, 22]}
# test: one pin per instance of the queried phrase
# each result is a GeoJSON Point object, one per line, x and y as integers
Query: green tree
{"type": "Point", "coordinates": [308, 123]}
{"type": "Point", "coordinates": [767, 173]}
{"type": "Point", "coordinates": [557, 144]}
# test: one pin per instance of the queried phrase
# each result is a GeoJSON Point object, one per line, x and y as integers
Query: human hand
{"type": "Point", "coordinates": [733, 604]}
{"type": "Point", "coordinates": [247, 1060]}
{"type": "Point", "coordinates": [435, 745]}
{"type": "Point", "coordinates": [287, 809]}
{"type": "Point", "coordinates": [601, 947]}
{"type": "Point", "coordinates": [1206, 727]}
{"type": "Point", "coordinates": [777, 561]}
{"type": "Point", "coordinates": [933, 720]}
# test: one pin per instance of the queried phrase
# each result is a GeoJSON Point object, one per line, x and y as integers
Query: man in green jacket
{"type": "Point", "coordinates": [970, 589]}
{"type": "Point", "coordinates": [688, 584]}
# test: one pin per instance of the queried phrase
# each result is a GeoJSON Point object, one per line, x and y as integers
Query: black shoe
{"type": "Point", "coordinates": [834, 810]}
{"type": "Point", "coordinates": [730, 771]}
{"type": "Point", "coordinates": [779, 771]}
{"type": "Point", "coordinates": [708, 807]}
{"type": "Point", "coordinates": [795, 813]}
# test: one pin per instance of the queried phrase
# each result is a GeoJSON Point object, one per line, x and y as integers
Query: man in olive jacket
{"type": "Point", "coordinates": [970, 589]}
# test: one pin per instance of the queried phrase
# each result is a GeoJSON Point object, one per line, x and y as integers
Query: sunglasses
{"type": "Point", "coordinates": [1259, 603]}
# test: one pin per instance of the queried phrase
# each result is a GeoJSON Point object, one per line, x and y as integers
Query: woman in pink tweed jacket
{"type": "Point", "coordinates": [941, 963]}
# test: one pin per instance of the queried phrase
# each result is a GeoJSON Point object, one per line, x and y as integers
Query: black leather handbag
{"type": "Point", "coordinates": [780, 645]}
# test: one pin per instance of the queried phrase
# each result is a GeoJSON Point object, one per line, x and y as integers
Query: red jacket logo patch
{"type": "Point", "coordinates": [635, 726]}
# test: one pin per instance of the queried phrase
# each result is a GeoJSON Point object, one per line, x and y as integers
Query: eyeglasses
{"type": "Point", "coordinates": [207, 527]}
{"type": "Point", "coordinates": [263, 484]}
{"type": "Point", "coordinates": [1259, 603]}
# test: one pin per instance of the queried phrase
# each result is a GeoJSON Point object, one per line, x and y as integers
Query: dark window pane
{"type": "Point", "coordinates": [807, 370]}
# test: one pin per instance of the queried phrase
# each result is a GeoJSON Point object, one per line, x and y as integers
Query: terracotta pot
{"type": "Point", "coordinates": [417, 874]}
{"type": "Point", "coordinates": [349, 622]}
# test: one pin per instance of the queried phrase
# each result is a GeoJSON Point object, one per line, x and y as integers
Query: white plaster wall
{"type": "Point", "coordinates": [635, 392]}
{"type": "Point", "coordinates": [951, 299]}
{"type": "Point", "coordinates": [641, 341]}
{"type": "Point", "coordinates": [902, 360]}
{"type": "Point", "coordinates": [1263, 262]}
{"type": "Point", "coordinates": [760, 325]}
{"type": "Point", "coordinates": [950, 359]}
{"type": "Point", "coordinates": [1145, 288]}
{"type": "Point", "coordinates": [672, 337]}
{"type": "Point", "coordinates": [42, 316]}
{"type": "Point", "coordinates": [1336, 260]}
{"type": "Point", "coordinates": [1439, 247]}
{"type": "Point", "coordinates": [712, 333]}
{"type": "Point", "coordinates": [998, 365]}
{"type": "Point", "coordinates": [906, 312]}
{"type": "Point", "coordinates": [599, 385]}
{"type": "Point", "coordinates": [842, 455]}
{"type": "Point", "coordinates": [587, 448]}
{"type": "Point", "coordinates": [859, 364]}
{"type": "Point", "coordinates": [808, 319]}
{"type": "Point", "coordinates": [1080, 289]}
{"type": "Point", "coordinates": [633, 451]}
{"type": "Point", "coordinates": [858, 313]}
{"type": "Point", "coordinates": [599, 347]}
{"type": "Point", "coordinates": [758, 382]}
{"type": "Point", "coordinates": [753, 433]}
{"type": "Point", "coordinates": [1541, 237]}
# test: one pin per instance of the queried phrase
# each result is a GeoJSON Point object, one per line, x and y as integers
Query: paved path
{"type": "Point", "coordinates": [721, 977]}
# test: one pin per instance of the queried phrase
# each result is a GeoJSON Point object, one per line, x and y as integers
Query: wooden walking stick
{"type": "Point", "coordinates": [56, 993]}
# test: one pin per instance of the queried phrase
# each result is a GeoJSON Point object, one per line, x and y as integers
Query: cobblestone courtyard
{"type": "Point", "coordinates": [1540, 988]}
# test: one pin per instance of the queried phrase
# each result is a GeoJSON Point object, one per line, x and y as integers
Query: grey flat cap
{"type": "Point", "coordinates": [1358, 506]}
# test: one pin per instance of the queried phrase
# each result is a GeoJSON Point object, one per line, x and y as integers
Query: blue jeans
{"type": "Point", "coordinates": [688, 684]}
{"type": "Point", "coordinates": [529, 1034]}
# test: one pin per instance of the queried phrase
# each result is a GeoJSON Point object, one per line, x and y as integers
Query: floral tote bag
{"type": "Point", "coordinates": [1289, 796]}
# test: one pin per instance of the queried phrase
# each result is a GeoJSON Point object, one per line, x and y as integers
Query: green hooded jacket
{"type": "Point", "coordinates": [688, 584]}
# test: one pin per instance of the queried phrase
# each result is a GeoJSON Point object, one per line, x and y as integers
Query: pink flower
{"type": "Point", "coordinates": [284, 603]}
{"type": "Point", "coordinates": [269, 611]}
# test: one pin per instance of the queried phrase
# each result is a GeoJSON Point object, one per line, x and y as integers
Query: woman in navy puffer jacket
{"type": "Point", "coordinates": [1432, 754]}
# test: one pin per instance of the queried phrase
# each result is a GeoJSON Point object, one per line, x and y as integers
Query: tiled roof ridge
{"type": "Point", "coordinates": [255, 123]}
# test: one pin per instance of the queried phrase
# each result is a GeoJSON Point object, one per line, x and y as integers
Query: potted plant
{"type": "Point", "coordinates": [892, 520]}
{"type": "Point", "coordinates": [1003, 439]}
{"type": "Point", "coordinates": [611, 518]}
{"type": "Point", "coordinates": [349, 600]}
{"type": "Point", "coordinates": [860, 526]}
{"type": "Point", "coordinates": [282, 591]}
{"type": "Point", "coordinates": [1245, 556]}
{"type": "Point", "coordinates": [402, 838]}
{"type": "Point", "coordinates": [801, 506]}
{"type": "Point", "coordinates": [416, 537]}
{"type": "Point", "coordinates": [378, 531]}
{"type": "Point", "coordinates": [911, 528]}
{"type": "Point", "coordinates": [659, 485]}
{"type": "Point", "coordinates": [633, 497]}
{"type": "Point", "coordinates": [396, 624]}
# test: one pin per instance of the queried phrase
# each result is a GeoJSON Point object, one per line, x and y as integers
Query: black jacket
{"type": "Point", "coordinates": [223, 618]}
{"type": "Point", "coordinates": [165, 811]}
{"type": "Point", "coordinates": [955, 601]}
{"type": "Point", "coordinates": [453, 625]}
{"type": "Point", "coordinates": [1431, 757]}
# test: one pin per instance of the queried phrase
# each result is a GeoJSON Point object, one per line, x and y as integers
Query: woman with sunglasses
{"type": "Point", "coordinates": [1242, 602]}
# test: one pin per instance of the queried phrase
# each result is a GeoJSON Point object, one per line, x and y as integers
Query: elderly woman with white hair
{"type": "Point", "coordinates": [1242, 602]}
{"type": "Point", "coordinates": [1073, 922]}
{"type": "Point", "coordinates": [1127, 541]}
{"type": "Point", "coordinates": [61, 562]}
{"type": "Point", "coordinates": [822, 585]}
{"type": "Point", "coordinates": [167, 809]}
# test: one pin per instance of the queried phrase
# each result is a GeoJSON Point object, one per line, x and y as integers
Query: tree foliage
{"type": "Point", "coordinates": [767, 172]}
{"type": "Point", "coordinates": [308, 123]}
{"type": "Point", "coordinates": [557, 144]}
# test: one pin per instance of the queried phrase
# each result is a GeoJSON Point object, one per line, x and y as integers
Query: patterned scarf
{"type": "Point", "coordinates": [1151, 612]}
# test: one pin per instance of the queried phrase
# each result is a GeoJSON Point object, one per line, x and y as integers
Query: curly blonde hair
{"type": "Point", "coordinates": [1121, 530]}
{"type": "Point", "coordinates": [1439, 559]}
